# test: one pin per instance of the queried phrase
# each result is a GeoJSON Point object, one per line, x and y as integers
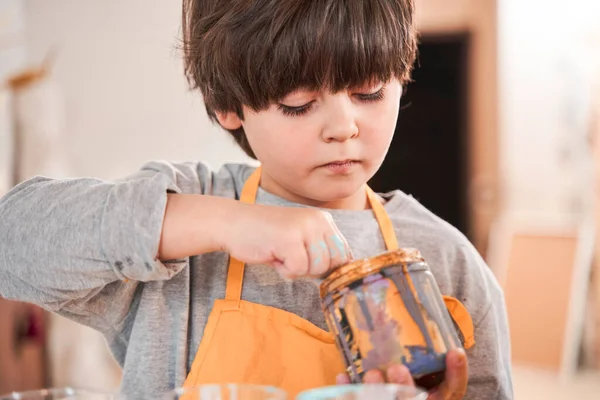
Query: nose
{"type": "Point", "coordinates": [341, 122]}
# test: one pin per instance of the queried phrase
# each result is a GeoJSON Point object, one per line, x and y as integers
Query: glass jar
{"type": "Point", "coordinates": [63, 394]}
{"type": "Point", "coordinates": [388, 310]}
{"type": "Point", "coordinates": [364, 392]}
{"type": "Point", "coordinates": [228, 391]}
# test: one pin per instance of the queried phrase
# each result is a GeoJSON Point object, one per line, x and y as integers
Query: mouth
{"type": "Point", "coordinates": [341, 166]}
{"type": "Point", "coordinates": [342, 162]}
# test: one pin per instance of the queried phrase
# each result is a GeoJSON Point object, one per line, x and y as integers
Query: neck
{"type": "Point", "coordinates": [357, 201]}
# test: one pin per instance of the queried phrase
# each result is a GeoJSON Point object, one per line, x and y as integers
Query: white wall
{"type": "Point", "coordinates": [12, 57]}
{"type": "Point", "coordinates": [12, 37]}
{"type": "Point", "coordinates": [546, 64]}
{"type": "Point", "coordinates": [122, 77]}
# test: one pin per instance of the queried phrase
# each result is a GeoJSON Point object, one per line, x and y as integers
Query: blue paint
{"type": "Point", "coordinates": [316, 254]}
{"type": "Point", "coordinates": [340, 245]}
{"type": "Point", "coordinates": [316, 251]}
{"type": "Point", "coordinates": [425, 361]}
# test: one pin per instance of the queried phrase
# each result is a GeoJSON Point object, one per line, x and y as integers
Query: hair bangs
{"type": "Point", "coordinates": [334, 45]}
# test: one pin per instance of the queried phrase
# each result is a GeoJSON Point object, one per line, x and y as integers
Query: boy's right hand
{"type": "Point", "coordinates": [297, 242]}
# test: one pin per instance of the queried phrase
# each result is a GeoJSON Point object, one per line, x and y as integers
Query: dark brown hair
{"type": "Point", "coordinates": [255, 52]}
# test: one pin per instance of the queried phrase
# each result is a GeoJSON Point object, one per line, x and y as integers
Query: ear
{"type": "Point", "coordinates": [229, 120]}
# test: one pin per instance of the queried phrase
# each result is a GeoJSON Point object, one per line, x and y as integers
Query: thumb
{"type": "Point", "coordinates": [342, 379]}
{"type": "Point", "coordinates": [454, 386]}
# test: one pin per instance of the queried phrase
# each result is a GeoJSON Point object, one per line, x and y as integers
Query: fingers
{"type": "Point", "coordinates": [454, 386]}
{"type": "Point", "coordinates": [397, 374]}
{"type": "Point", "coordinates": [400, 375]}
{"type": "Point", "coordinates": [295, 262]}
{"type": "Point", "coordinates": [457, 374]}
{"type": "Point", "coordinates": [342, 379]}
{"type": "Point", "coordinates": [338, 254]}
{"type": "Point", "coordinates": [317, 247]}
{"type": "Point", "coordinates": [327, 253]}
{"type": "Point", "coordinates": [373, 376]}
{"type": "Point", "coordinates": [320, 257]}
{"type": "Point", "coordinates": [329, 250]}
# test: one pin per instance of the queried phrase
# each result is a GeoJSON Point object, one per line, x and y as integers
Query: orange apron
{"type": "Point", "coordinates": [252, 343]}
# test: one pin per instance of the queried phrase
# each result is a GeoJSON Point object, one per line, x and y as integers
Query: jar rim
{"type": "Point", "coordinates": [358, 269]}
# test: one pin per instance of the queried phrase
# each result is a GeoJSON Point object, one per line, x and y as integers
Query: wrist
{"type": "Point", "coordinates": [227, 215]}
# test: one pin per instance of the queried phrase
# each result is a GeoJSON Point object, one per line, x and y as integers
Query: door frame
{"type": "Point", "coordinates": [478, 18]}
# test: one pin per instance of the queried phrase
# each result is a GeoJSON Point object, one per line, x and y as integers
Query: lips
{"type": "Point", "coordinates": [341, 166]}
{"type": "Point", "coordinates": [341, 163]}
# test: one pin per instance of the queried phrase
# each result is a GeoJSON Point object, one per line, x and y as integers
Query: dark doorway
{"type": "Point", "coordinates": [429, 153]}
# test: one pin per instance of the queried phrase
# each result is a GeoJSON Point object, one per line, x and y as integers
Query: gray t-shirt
{"type": "Point", "coordinates": [86, 248]}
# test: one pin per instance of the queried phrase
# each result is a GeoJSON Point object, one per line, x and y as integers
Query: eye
{"type": "Point", "coordinates": [295, 111]}
{"type": "Point", "coordinates": [372, 97]}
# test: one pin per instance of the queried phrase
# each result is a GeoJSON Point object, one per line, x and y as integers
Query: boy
{"type": "Point", "coordinates": [188, 284]}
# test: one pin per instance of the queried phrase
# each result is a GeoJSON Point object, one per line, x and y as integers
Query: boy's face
{"type": "Point", "coordinates": [319, 147]}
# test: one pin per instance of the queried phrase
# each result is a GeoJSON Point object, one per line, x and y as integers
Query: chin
{"type": "Point", "coordinates": [331, 192]}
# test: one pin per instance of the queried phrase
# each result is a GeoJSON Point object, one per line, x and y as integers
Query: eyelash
{"type": "Point", "coordinates": [301, 110]}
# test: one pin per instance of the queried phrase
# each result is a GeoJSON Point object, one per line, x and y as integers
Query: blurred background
{"type": "Point", "coordinates": [499, 134]}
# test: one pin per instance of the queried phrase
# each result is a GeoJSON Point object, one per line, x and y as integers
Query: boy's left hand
{"type": "Point", "coordinates": [454, 386]}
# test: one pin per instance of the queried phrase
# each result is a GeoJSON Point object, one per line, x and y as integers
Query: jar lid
{"type": "Point", "coordinates": [358, 269]}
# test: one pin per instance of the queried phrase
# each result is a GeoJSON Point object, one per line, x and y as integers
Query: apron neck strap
{"type": "Point", "coordinates": [383, 219]}
{"type": "Point", "coordinates": [235, 273]}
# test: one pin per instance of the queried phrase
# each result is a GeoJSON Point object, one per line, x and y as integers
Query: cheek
{"type": "Point", "coordinates": [296, 149]}
{"type": "Point", "coordinates": [381, 125]}
{"type": "Point", "coordinates": [280, 141]}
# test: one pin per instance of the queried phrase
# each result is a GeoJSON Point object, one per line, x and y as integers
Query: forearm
{"type": "Point", "coordinates": [61, 240]}
{"type": "Point", "coordinates": [195, 224]}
